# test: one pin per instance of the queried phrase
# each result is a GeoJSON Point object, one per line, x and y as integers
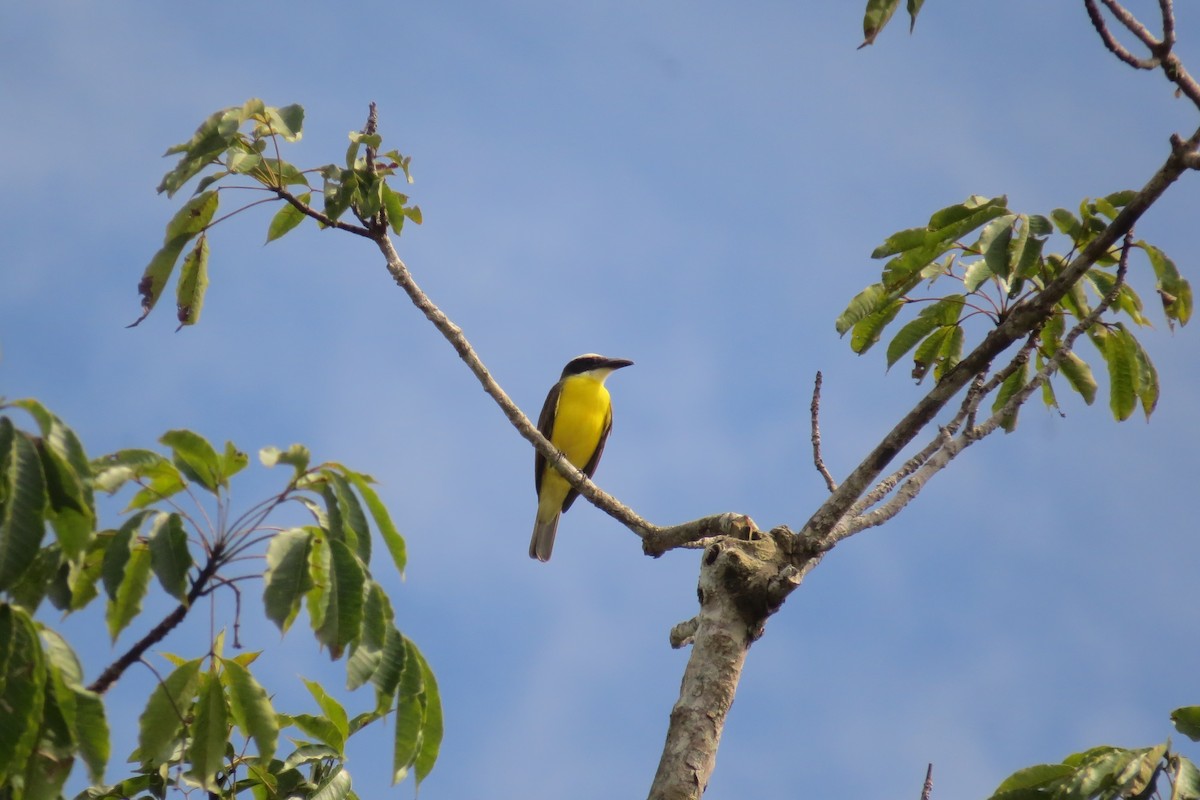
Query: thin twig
{"type": "Point", "coordinates": [815, 411]}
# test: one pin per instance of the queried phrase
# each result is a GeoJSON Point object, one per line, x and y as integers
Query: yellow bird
{"type": "Point", "coordinates": [576, 418]}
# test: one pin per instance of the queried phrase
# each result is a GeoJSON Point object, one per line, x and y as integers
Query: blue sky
{"type": "Point", "coordinates": [695, 186]}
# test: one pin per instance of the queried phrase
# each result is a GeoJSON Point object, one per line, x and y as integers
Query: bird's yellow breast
{"type": "Point", "coordinates": [582, 415]}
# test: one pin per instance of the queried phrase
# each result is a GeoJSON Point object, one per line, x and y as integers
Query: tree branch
{"type": "Point", "coordinates": [815, 413]}
{"type": "Point", "coordinates": [1024, 318]}
{"type": "Point", "coordinates": [134, 654]}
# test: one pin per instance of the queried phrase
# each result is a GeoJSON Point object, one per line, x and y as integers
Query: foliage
{"type": "Point", "coordinates": [242, 143]}
{"type": "Point", "coordinates": [1108, 773]}
{"type": "Point", "coordinates": [187, 728]}
{"type": "Point", "coordinates": [997, 259]}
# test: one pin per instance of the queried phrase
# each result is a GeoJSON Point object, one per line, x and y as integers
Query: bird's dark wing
{"type": "Point", "coordinates": [546, 426]}
{"type": "Point", "coordinates": [589, 468]}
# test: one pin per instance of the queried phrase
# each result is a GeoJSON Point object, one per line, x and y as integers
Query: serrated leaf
{"type": "Point", "coordinates": [113, 471]}
{"type": "Point", "coordinates": [193, 283]}
{"type": "Point", "coordinates": [927, 352]}
{"type": "Point", "coordinates": [410, 715]}
{"type": "Point", "coordinates": [67, 471]}
{"type": "Point", "coordinates": [23, 684]}
{"type": "Point", "coordinates": [287, 218]}
{"type": "Point", "coordinates": [341, 621]}
{"type": "Point", "coordinates": [169, 555]}
{"type": "Point", "coordinates": [976, 274]}
{"type": "Point", "coordinates": [950, 353]}
{"type": "Point", "coordinates": [251, 708]}
{"type": "Point", "coordinates": [164, 480]}
{"type": "Point", "coordinates": [22, 514]}
{"type": "Point", "coordinates": [83, 710]}
{"type": "Point", "coordinates": [383, 520]}
{"type": "Point", "coordinates": [209, 732]}
{"type": "Point", "coordinates": [286, 579]}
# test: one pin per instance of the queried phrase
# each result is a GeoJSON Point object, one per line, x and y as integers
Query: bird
{"type": "Point", "coordinates": [576, 418]}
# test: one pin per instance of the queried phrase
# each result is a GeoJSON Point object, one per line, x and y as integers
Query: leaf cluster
{"type": "Point", "coordinates": [1110, 773]}
{"type": "Point", "coordinates": [997, 258]}
{"type": "Point", "coordinates": [240, 147]}
{"type": "Point", "coordinates": [48, 484]}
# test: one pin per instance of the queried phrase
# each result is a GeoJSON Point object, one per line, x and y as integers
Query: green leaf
{"type": "Point", "coordinates": [367, 655]}
{"type": "Point", "coordinates": [287, 121]}
{"type": "Point", "coordinates": [1121, 357]}
{"type": "Point", "coordinates": [335, 786]}
{"type": "Point", "coordinates": [286, 579]}
{"type": "Point", "coordinates": [950, 353]}
{"type": "Point", "coordinates": [193, 283]}
{"type": "Point", "coordinates": [867, 330]}
{"type": "Point", "coordinates": [876, 17]}
{"type": "Point", "coordinates": [1040, 776]}
{"type": "Point", "coordinates": [23, 506]}
{"type": "Point", "coordinates": [914, 8]}
{"type": "Point", "coordinates": [342, 619]}
{"type": "Point", "coordinates": [943, 312]}
{"type": "Point", "coordinates": [287, 218]}
{"type": "Point", "coordinates": [432, 728]}
{"type": "Point", "coordinates": [126, 602]}
{"type": "Point", "coordinates": [322, 729]}
{"type": "Point", "coordinates": [994, 242]}
{"type": "Point", "coordinates": [160, 725]}
{"type": "Point", "coordinates": [113, 471]}
{"type": "Point", "coordinates": [232, 461]}
{"type": "Point", "coordinates": [1011, 385]}
{"type": "Point", "coordinates": [296, 456]}
{"type": "Point", "coordinates": [22, 690]}
{"type": "Point", "coordinates": [334, 712]}
{"type": "Point", "coordinates": [193, 218]}
{"type": "Point", "coordinates": [356, 531]}
{"type": "Point", "coordinates": [67, 471]}
{"type": "Point", "coordinates": [976, 274]}
{"type": "Point", "coordinates": [211, 139]}
{"type": "Point", "coordinates": [83, 710]}
{"type": "Point", "coordinates": [393, 204]}
{"type": "Point", "coordinates": [1067, 223]}
{"type": "Point", "coordinates": [927, 352]}
{"type": "Point", "coordinates": [865, 303]}
{"type": "Point", "coordinates": [1147, 385]}
{"type": "Point", "coordinates": [1175, 292]}
{"type": "Point", "coordinates": [195, 458]}
{"type": "Point", "coordinates": [410, 714]}
{"type": "Point", "coordinates": [383, 520]}
{"type": "Point", "coordinates": [164, 481]}
{"type": "Point", "coordinates": [251, 708]}
{"type": "Point", "coordinates": [1187, 721]}
{"type": "Point", "coordinates": [1079, 376]}
{"type": "Point", "coordinates": [209, 734]}
{"type": "Point", "coordinates": [901, 242]}
{"type": "Point", "coordinates": [169, 555]}
{"type": "Point", "coordinates": [1187, 785]}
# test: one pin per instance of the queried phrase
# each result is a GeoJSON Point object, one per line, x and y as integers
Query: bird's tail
{"type": "Point", "coordinates": [542, 542]}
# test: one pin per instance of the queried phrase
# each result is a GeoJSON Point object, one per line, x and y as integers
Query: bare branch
{"type": "Point", "coordinates": [927, 789]}
{"type": "Point", "coordinates": [453, 334]}
{"type": "Point", "coordinates": [698, 533]}
{"type": "Point", "coordinates": [1110, 41]}
{"type": "Point", "coordinates": [815, 411]}
{"type": "Point", "coordinates": [1131, 23]}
